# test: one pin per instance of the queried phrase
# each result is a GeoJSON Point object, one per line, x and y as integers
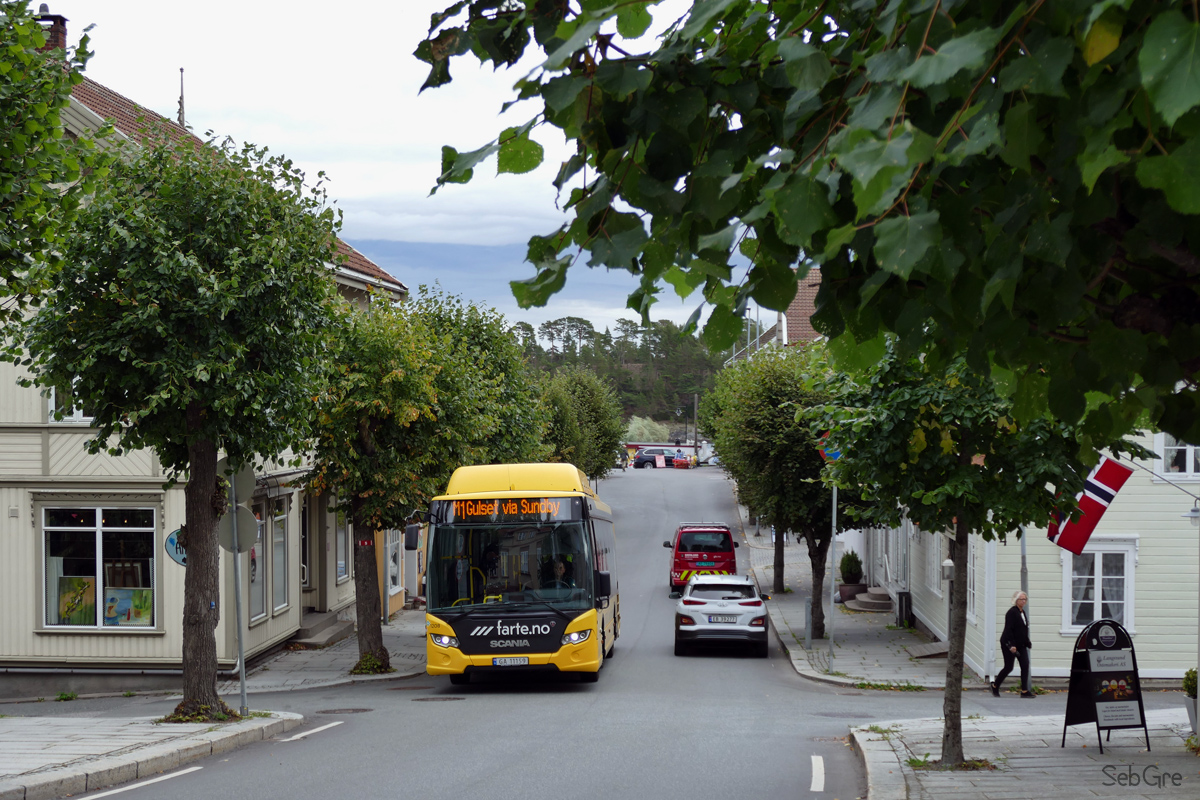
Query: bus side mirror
{"type": "Point", "coordinates": [602, 580]}
{"type": "Point", "coordinates": [412, 535]}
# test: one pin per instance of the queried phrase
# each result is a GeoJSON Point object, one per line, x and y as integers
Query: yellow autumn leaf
{"type": "Point", "coordinates": [947, 443]}
{"type": "Point", "coordinates": [1102, 39]}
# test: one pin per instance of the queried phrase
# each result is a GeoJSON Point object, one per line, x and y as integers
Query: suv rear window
{"type": "Point", "coordinates": [705, 542]}
{"type": "Point", "coordinates": [711, 591]}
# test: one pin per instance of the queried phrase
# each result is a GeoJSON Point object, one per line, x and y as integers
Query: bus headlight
{"type": "Point", "coordinates": [443, 641]}
{"type": "Point", "coordinates": [576, 637]}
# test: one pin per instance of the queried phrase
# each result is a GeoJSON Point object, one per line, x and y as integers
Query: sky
{"type": "Point", "coordinates": [335, 88]}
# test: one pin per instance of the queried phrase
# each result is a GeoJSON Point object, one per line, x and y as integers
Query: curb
{"type": "Point", "coordinates": [145, 761]}
{"type": "Point", "coordinates": [345, 680]}
{"type": "Point", "coordinates": [885, 775]}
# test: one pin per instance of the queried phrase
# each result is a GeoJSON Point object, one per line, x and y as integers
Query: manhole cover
{"type": "Point", "coordinates": [435, 699]}
{"type": "Point", "coordinates": [407, 688]}
{"type": "Point", "coordinates": [344, 711]}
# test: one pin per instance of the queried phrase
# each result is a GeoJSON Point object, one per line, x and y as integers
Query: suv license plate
{"type": "Point", "coordinates": [512, 661]}
{"type": "Point", "coordinates": [722, 618]}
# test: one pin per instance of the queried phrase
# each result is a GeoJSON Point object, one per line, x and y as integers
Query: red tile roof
{"type": "Point", "coordinates": [130, 119]}
{"type": "Point", "coordinates": [127, 116]}
{"type": "Point", "coordinates": [804, 304]}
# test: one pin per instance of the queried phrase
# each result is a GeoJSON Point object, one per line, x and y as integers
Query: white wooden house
{"type": "Point", "coordinates": [1141, 567]}
{"type": "Point", "coordinates": [90, 585]}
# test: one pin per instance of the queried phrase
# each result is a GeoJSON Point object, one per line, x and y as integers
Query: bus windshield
{"type": "Point", "coordinates": [509, 564]}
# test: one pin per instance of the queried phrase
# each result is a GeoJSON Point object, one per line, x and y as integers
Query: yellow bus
{"type": "Point", "coordinates": [520, 574]}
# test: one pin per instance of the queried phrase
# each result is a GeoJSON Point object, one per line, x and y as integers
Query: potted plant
{"type": "Point", "coordinates": [851, 568]}
{"type": "Point", "coordinates": [1189, 689]}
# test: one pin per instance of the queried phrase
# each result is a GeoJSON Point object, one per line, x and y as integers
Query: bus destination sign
{"type": "Point", "coordinates": [515, 509]}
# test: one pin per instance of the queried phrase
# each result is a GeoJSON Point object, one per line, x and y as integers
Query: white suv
{"type": "Point", "coordinates": [721, 609]}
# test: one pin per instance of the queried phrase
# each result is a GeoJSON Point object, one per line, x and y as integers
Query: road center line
{"type": "Point", "coordinates": [140, 784]}
{"type": "Point", "coordinates": [314, 730]}
{"type": "Point", "coordinates": [818, 781]}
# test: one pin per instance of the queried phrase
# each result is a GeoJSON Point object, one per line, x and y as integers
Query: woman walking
{"type": "Point", "coordinates": [1015, 644]}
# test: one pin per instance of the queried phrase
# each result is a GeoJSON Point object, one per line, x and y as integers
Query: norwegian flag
{"type": "Point", "coordinates": [1099, 489]}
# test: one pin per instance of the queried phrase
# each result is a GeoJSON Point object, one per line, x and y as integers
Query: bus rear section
{"type": "Point", "coordinates": [521, 574]}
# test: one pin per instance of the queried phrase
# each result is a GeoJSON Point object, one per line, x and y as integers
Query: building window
{"type": "Point", "coordinates": [258, 568]}
{"type": "Point", "coordinates": [935, 554]}
{"type": "Point", "coordinates": [99, 567]}
{"type": "Point", "coordinates": [342, 535]}
{"type": "Point", "coordinates": [1178, 458]}
{"type": "Point", "coordinates": [971, 553]}
{"type": "Point", "coordinates": [64, 408]}
{"type": "Point", "coordinates": [392, 553]}
{"type": "Point", "coordinates": [279, 560]}
{"type": "Point", "coordinates": [1099, 584]}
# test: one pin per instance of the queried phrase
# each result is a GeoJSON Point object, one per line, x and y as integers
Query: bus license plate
{"type": "Point", "coordinates": [706, 563]}
{"type": "Point", "coordinates": [511, 661]}
{"type": "Point", "coordinates": [722, 618]}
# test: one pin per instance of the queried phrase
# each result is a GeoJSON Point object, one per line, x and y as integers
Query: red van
{"type": "Point", "coordinates": [701, 548]}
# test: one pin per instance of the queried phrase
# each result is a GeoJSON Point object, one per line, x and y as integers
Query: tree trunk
{"type": "Point", "coordinates": [818, 555]}
{"type": "Point", "coordinates": [201, 590]}
{"type": "Point", "coordinates": [952, 745]}
{"type": "Point", "coordinates": [372, 655]}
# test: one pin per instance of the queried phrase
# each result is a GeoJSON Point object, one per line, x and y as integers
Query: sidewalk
{"type": "Point", "coordinates": [1028, 760]}
{"type": "Point", "coordinates": [867, 646]}
{"type": "Point", "coordinates": [48, 757]}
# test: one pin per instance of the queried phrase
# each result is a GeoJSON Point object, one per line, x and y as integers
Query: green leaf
{"type": "Point", "coordinates": [633, 19]}
{"type": "Point", "coordinates": [970, 52]}
{"type": "Point", "coordinates": [722, 328]}
{"type": "Point", "coordinates": [1022, 136]}
{"type": "Point", "coordinates": [619, 242]}
{"type": "Point", "coordinates": [518, 153]}
{"type": "Point", "coordinates": [1170, 64]}
{"type": "Point", "coordinates": [1176, 175]}
{"type": "Point", "coordinates": [839, 238]}
{"type": "Point", "coordinates": [856, 356]}
{"type": "Point", "coordinates": [702, 12]}
{"type": "Point", "coordinates": [684, 281]}
{"type": "Point", "coordinates": [536, 291]}
{"type": "Point", "coordinates": [900, 242]}
{"type": "Point", "coordinates": [802, 209]}
{"type": "Point", "coordinates": [1041, 71]}
{"type": "Point", "coordinates": [578, 39]}
{"type": "Point", "coordinates": [721, 241]}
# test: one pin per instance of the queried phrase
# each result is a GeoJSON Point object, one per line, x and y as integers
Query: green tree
{"type": "Point", "coordinates": [598, 416]}
{"type": "Point", "coordinates": [773, 456]}
{"type": "Point", "coordinates": [375, 420]}
{"type": "Point", "coordinates": [190, 317]}
{"type": "Point", "coordinates": [1011, 180]}
{"type": "Point", "coordinates": [43, 171]}
{"type": "Point", "coordinates": [941, 447]}
{"type": "Point", "coordinates": [644, 429]}
{"type": "Point", "coordinates": [564, 434]}
{"type": "Point", "coordinates": [418, 391]}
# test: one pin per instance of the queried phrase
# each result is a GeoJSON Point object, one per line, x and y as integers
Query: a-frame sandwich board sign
{"type": "Point", "coordinates": [1105, 688]}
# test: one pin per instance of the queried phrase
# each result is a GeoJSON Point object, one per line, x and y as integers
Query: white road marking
{"type": "Point", "coordinates": [314, 730]}
{"type": "Point", "coordinates": [818, 781]}
{"type": "Point", "coordinates": [145, 783]}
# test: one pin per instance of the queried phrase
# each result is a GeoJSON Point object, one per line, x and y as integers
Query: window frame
{"type": "Point", "coordinates": [100, 587]}
{"type": "Point", "coordinates": [76, 417]}
{"type": "Point", "coordinates": [393, 539]}
{"type": "Point", "coordinates": [1099, 544]}
{"type": "Point", "coordinates": [972, 592]}
{"type": "Point", "coordinates": [1162, 474]}
{"type": "Point", "coordinates": [279, 509]}
{"type": "Point", "coordinates": [935, 554]}
{"type": "Point", "coordinates": [342, 530]}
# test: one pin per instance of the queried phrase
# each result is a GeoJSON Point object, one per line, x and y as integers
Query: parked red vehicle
{"type": "Point", "coordinates": [701, 548]}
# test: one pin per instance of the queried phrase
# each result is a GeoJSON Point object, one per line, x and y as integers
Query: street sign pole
{"type": "Point", "coordinates": [244, 709]}
{"type": "Point", "coordinates": [832, 581]}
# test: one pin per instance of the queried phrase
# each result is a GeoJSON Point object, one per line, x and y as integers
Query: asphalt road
{"type": "Point", "coordinates": [714, 724]}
